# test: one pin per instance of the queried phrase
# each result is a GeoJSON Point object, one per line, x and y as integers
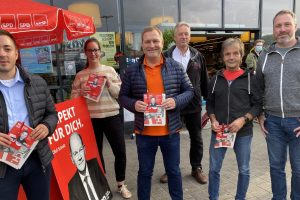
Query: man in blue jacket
{"type": "Point", "coordinates": [278, 73]}
{"type": "Point", "coordinates": [155, 74]}
{"type": "Point", "coordinates": [26, 98]}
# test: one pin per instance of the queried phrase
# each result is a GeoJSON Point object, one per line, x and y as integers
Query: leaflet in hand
{"type": "Point", "coordinates": [21, 146]}
{"type": "Point", "coordinates": [154, 115]}
{"type": "Point", "coordinates": [225, 138]}
{"type": "Point", "coordinates": [96, 84]}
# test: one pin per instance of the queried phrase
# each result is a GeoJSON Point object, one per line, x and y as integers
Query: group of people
{"type": "Point", "coordinates": [234, 97]}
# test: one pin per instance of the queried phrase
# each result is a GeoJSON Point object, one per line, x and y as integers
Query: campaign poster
{"type": "Point", "coordinates": [108, 47]}
{"type": "Point", "coordinates": [37, 60]}
{"type": "Point", "coordinates": [75, 153]}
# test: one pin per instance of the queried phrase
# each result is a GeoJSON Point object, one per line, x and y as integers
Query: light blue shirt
{"type": "Point", "coordinates": [13, 92]}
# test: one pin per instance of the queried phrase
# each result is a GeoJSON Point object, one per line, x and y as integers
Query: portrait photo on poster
{"type": "Point", "coordinates": [88, 182]}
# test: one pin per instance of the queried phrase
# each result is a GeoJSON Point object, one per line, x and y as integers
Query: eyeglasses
{"type": "Point", "coordinates": [92, 50]}
{"type": "Point", "coordinates": [77, 153]}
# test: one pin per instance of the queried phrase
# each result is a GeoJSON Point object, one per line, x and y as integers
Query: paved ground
{"type": "Point", "coordinates": [259, 189]}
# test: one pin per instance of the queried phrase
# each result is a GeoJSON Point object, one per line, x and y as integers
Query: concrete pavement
{"type": "Point", "coordinates": [260, 184]}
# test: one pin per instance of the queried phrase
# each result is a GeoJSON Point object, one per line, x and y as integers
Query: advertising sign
{"type": "Point", "coordinates": [37, 59]}
{"type": "Point", "coordinates": [76, 154]}
{"type": "Point", "coordinates": [108, 47]}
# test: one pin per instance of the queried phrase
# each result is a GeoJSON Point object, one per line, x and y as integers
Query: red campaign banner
{"type": "Point", "coordinates": [74, 124]}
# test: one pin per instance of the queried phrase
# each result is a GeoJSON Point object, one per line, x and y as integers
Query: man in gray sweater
{"type": "Point", "coordinates": [278, 74]}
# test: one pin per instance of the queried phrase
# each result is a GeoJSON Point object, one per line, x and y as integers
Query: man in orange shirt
{"type": "Point", "coordinates": [157, 75]}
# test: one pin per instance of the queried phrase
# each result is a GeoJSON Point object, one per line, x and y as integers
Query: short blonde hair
{"type": "Point", "coordinates": [233, 41]}
{"type": "Point", "coordinates": [150, 29]}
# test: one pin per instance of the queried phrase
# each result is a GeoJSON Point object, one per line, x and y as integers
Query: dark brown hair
{"type": "Point", "coordinates": [8, 34]}
{"type": "Point", "coordinates": [92, 39]}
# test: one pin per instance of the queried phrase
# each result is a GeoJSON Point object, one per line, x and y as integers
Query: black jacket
{"type": "Point", "coordinates": [229, 102]}
{"type": "Point", "coordinates": [41, 110]}
{"type": "Point", "coordinates": [176, 85]}
{"type": "Point", "coordinates": [197, 73]}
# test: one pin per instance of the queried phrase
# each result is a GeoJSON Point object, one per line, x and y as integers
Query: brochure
{"type": "Point", "coordinates": [96, 83]}
{"type": "Point", "coordinates": [225, 138]}
{"type": "Point", "coordinates": [154, 115]}
{"type": "Point", "coordinates": [21, 146]}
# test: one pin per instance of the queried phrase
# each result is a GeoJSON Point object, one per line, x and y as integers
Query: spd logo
{"type": "Point", "coordinates": [25, 21]}
{"type": "Point", "coordinates": [40, 20]}
{"type": "Point", "coordinates": [7, 21]}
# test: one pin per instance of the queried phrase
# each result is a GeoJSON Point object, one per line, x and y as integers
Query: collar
{"type": "Point", "coordinates": [13, 81]}
{"type": "Point", "coordinates": [156, 65]}
{"type": "Point", "coordinates": [87, 173]}
{"type": "Point", "coordinates": [18, 76]}
{"type": "Point", "coordinates": [187, 53]}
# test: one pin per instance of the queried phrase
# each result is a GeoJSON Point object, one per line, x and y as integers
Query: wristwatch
{"type": "Point", "coordinates": [246, 119]}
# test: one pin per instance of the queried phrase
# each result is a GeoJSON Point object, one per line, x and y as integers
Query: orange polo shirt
{"type": "Point", "coordinates": [155, 86]}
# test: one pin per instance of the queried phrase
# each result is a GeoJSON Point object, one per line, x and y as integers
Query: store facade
{"type": "Point", "coordinates": [212, 21]}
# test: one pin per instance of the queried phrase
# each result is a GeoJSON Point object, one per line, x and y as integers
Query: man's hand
{"type": "Point", "coordinates": [168, 104]}
{"type": "Point", "coordinates": [5, 140]}
{"type": "Point", "coordinates": [236, 125]}
{"type": "Point", "coordinates": [140, 106]}
{"type": "Point", "coordinates": [261, 121]}
{"type": "Point", "coordinates": [215, 126]}
{"type": "Point", "coordinates": [40, 132]}
{"type": "Point", "coordinates": [297, 130]}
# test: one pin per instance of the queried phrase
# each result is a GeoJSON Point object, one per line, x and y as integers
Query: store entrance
{"type": "Point", "coordinates": [210, 45]}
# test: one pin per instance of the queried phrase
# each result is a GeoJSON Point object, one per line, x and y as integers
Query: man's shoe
{"type": "Point", "coordinates": [164, 178]}
{"type": "Point", "coordinates": [199, 175]}
{"type": "Point", "coordinates": [125, 193]}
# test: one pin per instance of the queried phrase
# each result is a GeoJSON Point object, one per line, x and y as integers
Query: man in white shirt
{"type": "Point", "coordinates": [195, 66]}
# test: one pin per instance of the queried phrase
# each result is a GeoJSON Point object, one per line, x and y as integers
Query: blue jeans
{"type": "Point", "coordinates": [281, 137]}
{"type": "Point", "coordinates": [34, 179]}
{"type": "Point", "coordinates": [170, 147]}
{"type": "Point", "coordinates": [242, 149]}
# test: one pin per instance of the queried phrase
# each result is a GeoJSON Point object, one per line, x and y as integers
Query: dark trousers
{"type": "Point", "coordinates": [112, 127]}
{"type": "Point", "coordinates": [193, 125]}
{"type": "Point", "coordinates": [34, 179]}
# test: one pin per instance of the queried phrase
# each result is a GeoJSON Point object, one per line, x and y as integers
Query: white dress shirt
{"type": "Point", "coordinates": [183, 58]}
{"type": "Point", "coordinates": [89, 182]}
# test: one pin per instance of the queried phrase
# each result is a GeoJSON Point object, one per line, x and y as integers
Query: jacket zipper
{"type": "Point", "coordinates": [228, 97]}
{"type": "Point", "coordinates": [28, 105]}
{"type": "Point", "coordinates": [281, 76]}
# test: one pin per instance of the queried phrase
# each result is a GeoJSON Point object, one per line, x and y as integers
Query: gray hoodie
{"type": "Point", "coordinates": [279, 80]}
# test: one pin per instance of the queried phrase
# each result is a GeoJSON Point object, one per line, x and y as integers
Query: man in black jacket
{"type": "Point", "coordinates": [26, 98]}
{"type": "Point", "coordinates": [195, 66]}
